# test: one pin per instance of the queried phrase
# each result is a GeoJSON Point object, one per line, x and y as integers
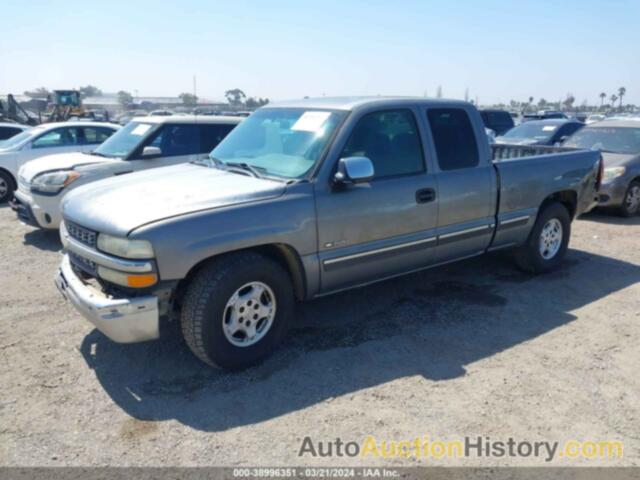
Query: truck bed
{"type": "Point", "coordinates": [505, 151]}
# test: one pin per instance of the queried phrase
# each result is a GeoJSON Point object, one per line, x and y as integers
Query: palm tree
{"type": "Point", "coordinates": [602, 97]}
{"type": "Point", "coordinates": [613, 98]}
{"type": "Point", "coordinates": [621, 93]}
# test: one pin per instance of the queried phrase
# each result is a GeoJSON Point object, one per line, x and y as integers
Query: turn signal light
{"type": "Point", "coordinates": [127, 279]}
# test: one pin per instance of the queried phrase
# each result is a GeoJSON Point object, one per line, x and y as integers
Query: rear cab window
{"type": "Point", "coordinates": [454, 138]}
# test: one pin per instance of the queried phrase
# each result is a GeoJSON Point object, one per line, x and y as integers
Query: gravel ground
{"type": "Point", "coordinates": [474, 348]}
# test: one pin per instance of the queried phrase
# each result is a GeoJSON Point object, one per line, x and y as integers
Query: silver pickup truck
{"type": "Point", "coordinates": [304, 199]}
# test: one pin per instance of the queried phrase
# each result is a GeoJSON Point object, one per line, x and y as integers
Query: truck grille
{"type": "Point", "coordinates": [81, 234]}
{"type": "Point", "coordinates": [83, 264]}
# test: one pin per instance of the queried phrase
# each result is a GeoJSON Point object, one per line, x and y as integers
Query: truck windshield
{"type": "Point", "coordinates": [607, 139]}
{"type": "Point", "coordinates": [281, 142]}
{"type": "Point", "coordinates": [125, 140]}
{"type": "Point", "coordinates": [532, 130]}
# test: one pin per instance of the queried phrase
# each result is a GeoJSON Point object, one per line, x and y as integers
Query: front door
{"type": "Point", "coordinates": [387, 226]}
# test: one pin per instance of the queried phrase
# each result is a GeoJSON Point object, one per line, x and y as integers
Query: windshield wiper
{"type": "Point", "coordinates": [98, 154]}
{"type": "Point", "coordinates": [255, 171]}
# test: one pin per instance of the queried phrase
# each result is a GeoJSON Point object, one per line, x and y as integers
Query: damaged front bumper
{"type": "Point", "coordinates": [123, 320]}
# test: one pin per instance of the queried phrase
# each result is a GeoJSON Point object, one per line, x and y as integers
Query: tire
{"type": "Point", "coordinates": [631, 202]}
{"type": "Point", "coordinates": [210, 316]}
{"type": "Point", "coordinates": [7, 186]}
{"type": "Point", "coordinates": [543, 251]}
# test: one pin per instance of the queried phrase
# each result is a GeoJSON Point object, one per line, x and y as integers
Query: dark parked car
{"type": "Point", "coordinates": [541, 132]}
{"type": "Point", "coordinates": [500, 121]}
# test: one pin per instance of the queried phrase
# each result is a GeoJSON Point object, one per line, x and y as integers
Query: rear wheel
{"type": "Point", "coordinates": [631, 203]}
{"type": "Point", "coordinates": [237, 309]}
{"type": "Point", "coordinates": [6, 186]}
{"type": "Point", "coordinates": [548, 241]}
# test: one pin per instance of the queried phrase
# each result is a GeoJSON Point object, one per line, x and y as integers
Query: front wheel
{"type": "Point", "coordinates": [631, 203]}
{"type": "Point", "coordinates": [237, 309]}
{"type": "Point", "coordinates": [547, 244]}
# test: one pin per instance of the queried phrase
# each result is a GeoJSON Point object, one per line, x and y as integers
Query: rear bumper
{"type": "Point", "coordinates": [123, 320]}
{"type": "Point", "coordinates": [29, 210]}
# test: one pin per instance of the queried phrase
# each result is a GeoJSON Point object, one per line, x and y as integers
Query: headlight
{"type": "Point", "coordinates": [613, 172]}
{"type": "Point", "coordinates": [133, 280]}
{"type": "Point", "coordinates": [53, 182]}
{"type": "Point", "coordinates": [124, 247]}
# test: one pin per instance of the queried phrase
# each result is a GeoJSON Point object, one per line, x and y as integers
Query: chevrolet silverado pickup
{"type": "Point", "coordinates": [304, 199]}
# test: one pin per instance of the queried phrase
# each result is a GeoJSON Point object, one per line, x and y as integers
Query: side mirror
{"type": "Point", "coordinates": [353, 170]}
{"type": "Point", "coordinates": [149, 152]}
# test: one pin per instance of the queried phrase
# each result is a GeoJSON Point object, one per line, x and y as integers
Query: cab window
{"type": "Point", "coordinates": [176, 140]}
{"type": "Point", "coordinates": [212, 134]}
{"type": "Point", "coordinates": [390, 139]}
{"type": "Point", "coordinates": [454, 138]}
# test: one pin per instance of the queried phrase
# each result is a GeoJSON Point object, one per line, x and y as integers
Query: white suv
{"type": "Point", "coordinates": [144, 143]}
{"type": "Point", "coordinates": [45, 140]}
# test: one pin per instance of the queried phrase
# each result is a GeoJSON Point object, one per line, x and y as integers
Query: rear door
{"type": "Point", "coordinates": [387, 226]}
{"type": "Point", "coordinates": [466, 184]}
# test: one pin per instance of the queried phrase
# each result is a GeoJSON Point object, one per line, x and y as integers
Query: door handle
{"type": "Point", "coordinates": [425, 195]}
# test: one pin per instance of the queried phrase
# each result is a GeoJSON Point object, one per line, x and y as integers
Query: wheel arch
{"type": "Point", "coordinates": [568, 198]}
{"type": "Point", "coordinates": [285, 255]}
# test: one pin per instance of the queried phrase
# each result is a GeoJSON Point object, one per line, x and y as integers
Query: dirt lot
{"type": "Point", "coordinates": [475, 348]}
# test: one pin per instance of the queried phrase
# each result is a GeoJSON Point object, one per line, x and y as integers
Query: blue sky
{"type": "Point", "coordinates": [288, 49]}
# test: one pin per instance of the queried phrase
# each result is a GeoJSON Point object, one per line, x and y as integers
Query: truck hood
{"type": "Point", "coordinates": [59, 161]}
{"type": "Point", "coordinates": [619, 159]}
{"type": "Point", "coordinates": [120, 204]}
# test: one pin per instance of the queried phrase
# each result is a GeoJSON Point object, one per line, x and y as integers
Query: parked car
{"type": "Point", "coordinates": [619, 142]}
{"type": "Point", "coordinates": [595, 117]}
{"type": "Point", "coordinates": [541, 132]}
{"type": "Point", "coordinates": [44, 140]}
{"type": "Point", "coordinates": [144, 143]}
{"type": "Point", "coordinates": [500, 121]}
{"type": "Point", "coordinates": [543, 115]}
{"type": "Point", "coordinates": [302, 200]}
{"type": "Point", "coordinates": [8, 130]}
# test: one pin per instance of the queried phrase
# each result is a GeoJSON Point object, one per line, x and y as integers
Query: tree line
{"type": "Point", "coordinates": [235, 97]}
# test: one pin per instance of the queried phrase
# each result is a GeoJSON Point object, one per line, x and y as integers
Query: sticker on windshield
{"type": "Point", "coordinates": [311, 121]}
{"type": "Point", "coordinates": [141, 129]}
{"type": "Point", "coordinates": [548, 128]}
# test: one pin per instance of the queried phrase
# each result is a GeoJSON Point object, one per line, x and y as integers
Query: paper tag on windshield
{"type": "Point", "coordinates": [141, 129]}
{"type": "Point", "coordinates": [311, 121]}
{"type": "Point", "coordinates": [548, 128]}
